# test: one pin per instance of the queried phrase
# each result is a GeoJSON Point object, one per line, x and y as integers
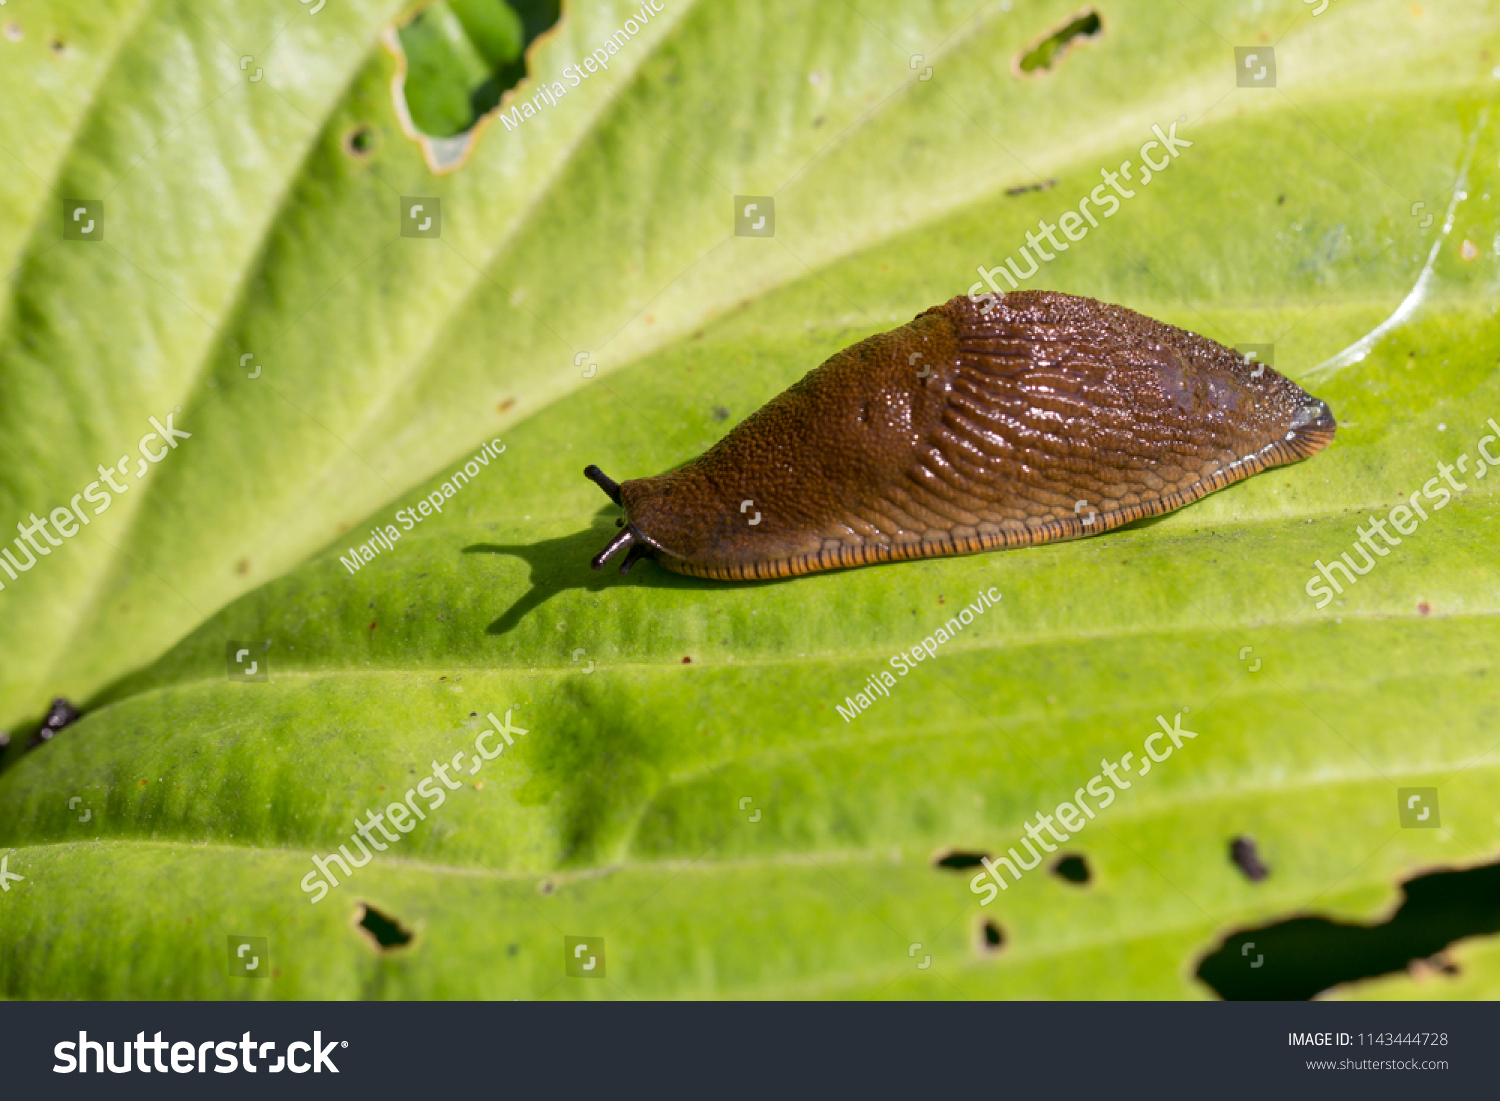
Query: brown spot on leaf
{"type": "Point", "coordinates": [1245, 857]}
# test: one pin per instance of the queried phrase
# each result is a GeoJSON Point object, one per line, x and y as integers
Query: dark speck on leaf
{"type": "Point", "coordinates": [60, 714]}
{"type": "Point", "coordinates": [1043, 185]}
{"type": "Point", "coordinates": [687, 661]}
{"type": "Point", "coordinates": [720, 413]}
{"type": "Point", "coordinates": [1245, 857]}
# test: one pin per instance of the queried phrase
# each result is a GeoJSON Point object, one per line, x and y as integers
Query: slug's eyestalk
{"type": "Point", "coordinates": [602, 480]}
{"type": "Point", "coordinates": [639, 546]}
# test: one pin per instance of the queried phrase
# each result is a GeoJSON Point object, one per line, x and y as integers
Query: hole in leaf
{"type": "Point", "coordinates": [956, 860]}
{"type": "Point", "coordinates": [462, 55]}
{"type": "Point", "coordinates": [1243, 854]}
{"type": "Point", "coordinates": [360, 142]}
{"type": "Point", "coordinates": [1075, 869]}
{"type": "Point", "coordinates": [385, 931]}
{"type": "Point", "coordinates": [1303, 956]}
{"type": "Point", "coordinates": [1046, 53]}
{"type": "Point", "coordinates": [991, 938]}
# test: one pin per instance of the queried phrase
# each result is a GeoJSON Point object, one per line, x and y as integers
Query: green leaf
{"type": "Point", "coordinates": [463, 55]}
{"type": "Point", "coordinates": [686, 790]}
{"type": "Point", "coordinates": [445, 66]}
{"type": "Point", "coordinates": [494, 28]}
{"type": "Point", "coordinates": [1474, 977]}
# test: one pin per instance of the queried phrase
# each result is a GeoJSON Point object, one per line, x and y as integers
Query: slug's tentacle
{"type": "Point", "coordinates": [626, 538]}
{"type": "Point", "coordinates": [640, 547]}
{"type": "Point", "coordinates": [602, 480]}
{"type": "Point", "coordinates": [629, 537]}
{"type": "Point", "coordinates": [637, 551]}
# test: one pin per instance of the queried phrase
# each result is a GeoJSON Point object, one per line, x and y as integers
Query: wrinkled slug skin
{"type": "Point", "coordinates": [965, 431]}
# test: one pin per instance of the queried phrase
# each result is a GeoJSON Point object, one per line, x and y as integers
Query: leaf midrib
{"type": "Point", "coordinates": [1164, 806]}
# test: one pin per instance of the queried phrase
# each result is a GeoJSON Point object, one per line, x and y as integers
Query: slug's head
{"type": "Point", "coordinates": [630, 536]}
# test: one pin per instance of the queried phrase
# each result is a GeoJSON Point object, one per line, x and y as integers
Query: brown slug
{"type": "Point", "coordinates": [986, 422]}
